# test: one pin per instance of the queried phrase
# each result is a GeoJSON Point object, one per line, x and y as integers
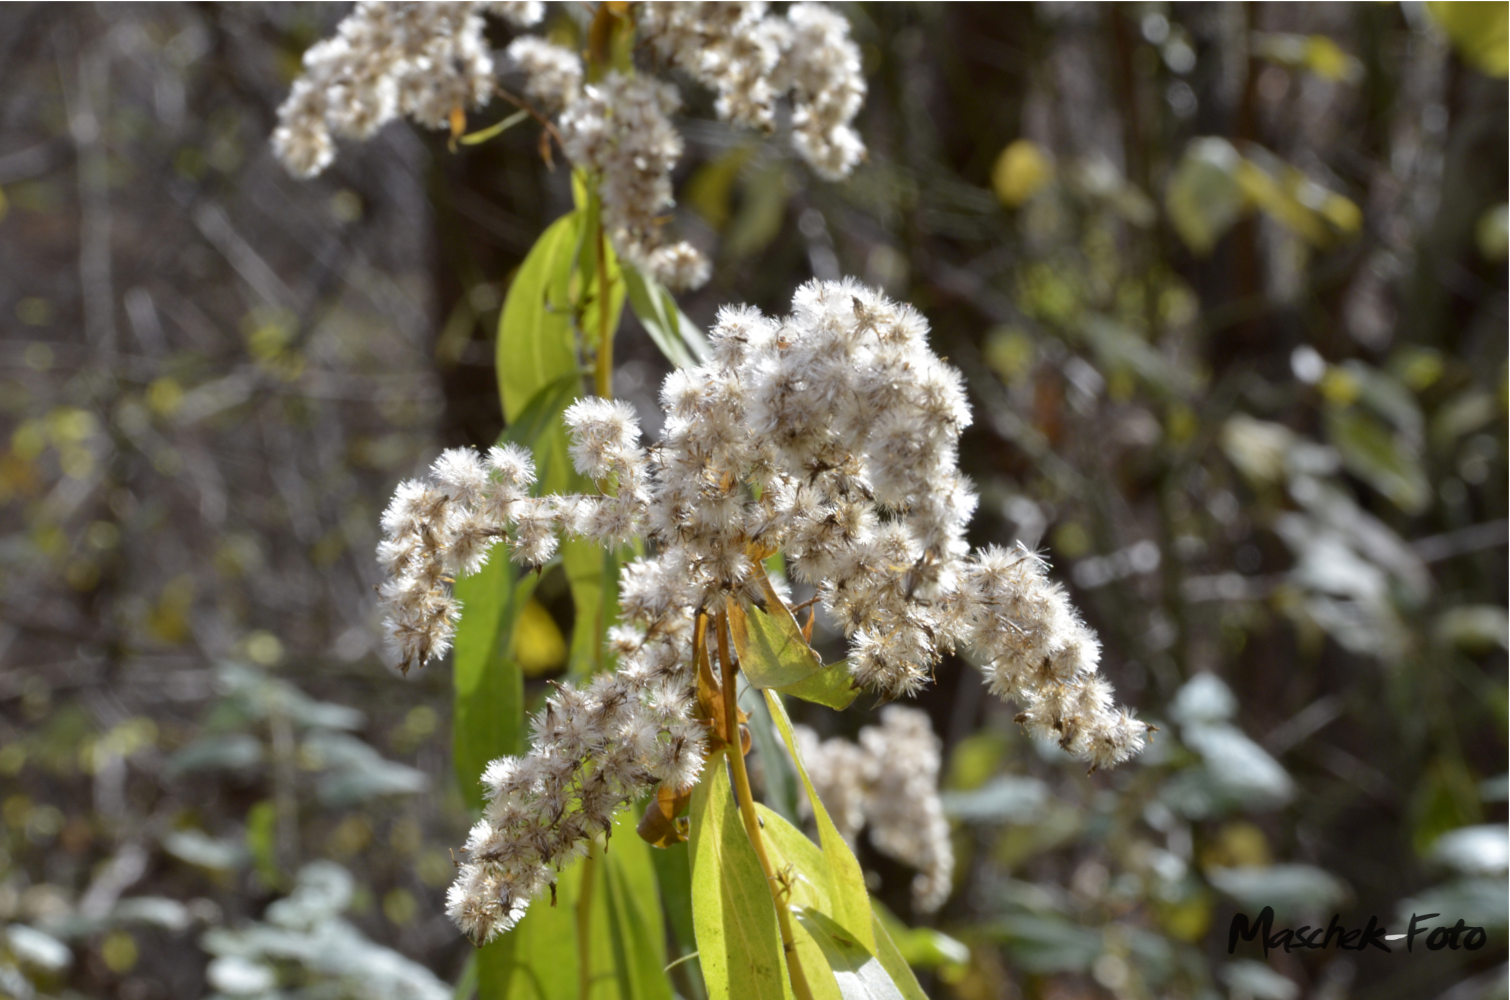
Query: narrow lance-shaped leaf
{"type": "Point", "coordinates": [851, 900]}
{"type": "Point", "coordinates": [860, 976]}
{"type": "Point", "coordinates": [540, 958]}
{"type": "Point", "coordinates": [738, 940]}
{"type": "Point", "coordinates": [678, 338]}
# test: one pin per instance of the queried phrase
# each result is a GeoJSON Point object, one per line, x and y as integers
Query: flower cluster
{"type": "Point", "coordinates": [750, 58]}
{"type": "Point", "coordinates": [419, 60]}
{"type": "Point", "coordinates": [620, 129]}
{"type": "Point", "coordinates": [889, 780]}
{"type": "Point", "coordinates": [829, 435]}
{"type": "Point", "coordinates": [427, 60]}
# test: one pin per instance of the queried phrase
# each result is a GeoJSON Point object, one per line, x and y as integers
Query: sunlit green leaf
{"type": "Point", "coordinates": [772, 651]}
{"type": "Point", "coordinates": [920, 947]}
{"type": "Point", "coordinates": [678, 337]}
{"type": "Point", "coordinates": [488, 719]}
{"type": "Point", "coordinates": [850, 900]}
{"type": "Point", "coordinates": [536, 343]}
{"type": "Point", "coordinates": [780, 778]}
{"type": "Point", "coordinates": [540, 958]}
{"type": "Point", "coordinates": [860, 976]}
{"type": "Point", "coordinates": [832, 686]}
{"type": "Point", "coordinates": [895, 964]}
{"type": "Point", "coordinates": [738, 940]}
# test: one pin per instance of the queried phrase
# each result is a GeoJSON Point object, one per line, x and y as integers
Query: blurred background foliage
{"type": "Point", "coordinates": [1228, 286]}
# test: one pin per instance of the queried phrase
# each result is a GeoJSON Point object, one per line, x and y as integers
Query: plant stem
{"type": "Point", "coordinates": [584, 922]}
{"type": "Point", "coordinates": [747, 811]}
{"type": "Point", "coordinates": [603, 373]}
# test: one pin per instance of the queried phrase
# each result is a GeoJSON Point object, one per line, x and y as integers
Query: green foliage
{"type": "Point", "coordinates": [677, 337]}
{"type": "Point", "coordinates": [738, 944]}
{"type": "Point", "coordinates": [540, 959]}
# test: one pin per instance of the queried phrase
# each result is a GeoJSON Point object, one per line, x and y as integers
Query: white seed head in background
{"type": "Point", "coordinates": [889, 783]}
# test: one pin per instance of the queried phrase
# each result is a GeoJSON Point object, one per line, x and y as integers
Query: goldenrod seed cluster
{"type": "Point", "coordinates": [426, 61]}
{"type": "Point", "coordinates": [829, 435]}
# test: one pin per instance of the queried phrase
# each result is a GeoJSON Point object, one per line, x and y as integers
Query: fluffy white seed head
{"type": "Point", "coordinates": [865, 501]}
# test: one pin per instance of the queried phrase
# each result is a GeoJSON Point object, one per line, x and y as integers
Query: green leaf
{"type": "Point", "coordinates": [849, 898]}
{"type": "Point", "coordinates": [1478, 31]}
{"type": "Point", "coordinates": [673, 876]}
{"type": "Point", "coordinates": [536, 343]}
{"type": "Point", "coordinates": [895, 964]}
{"type": "Point", "coordinates": [493, 131]}
{"type": "Point", "coordinates": [628, 927]}
{"type": "Point", "coordinates": [807, 882]}
{"type": "Point", "coordinates": [539, 958]}
{"type": "Point", "coordinates": [772, 651]}
{"type": "Point", "coordinates": [590, 571]}
{"type": "Point", "coordinates": [859, 974]}
{"type": "Point", "coordinates": [488, 719]}
{"type": "Point", "coordinates": [655, 307]}
{"type": "Point", "coordinates": [1386, 461]}
{"type": "Point", "coordinates": [775, 766]}
{"type": "Point", "coordinates": [1204, 197]}
{"type": "Point", "coordinates": [832, 686]}
{"type": "Point", "coordinates": [738, 940]}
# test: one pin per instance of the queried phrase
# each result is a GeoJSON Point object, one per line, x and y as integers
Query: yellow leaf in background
{"type": "Point", "coordinates": [119, 952]}
{"type": "Point", "coordinates": [1326, 60]}
{"type": "Point", "coordinates": [539, 647]}
{"type": "Point", "coordinates": [1479, 31]}
{"type": "Point", "coordinates": [1313, 53]}
{"type": "Point", "coordinates": [710, 189]}
{"type": "Point", "coordinates": [1021, 171]}
{"type": "Point", "coordinates": [1493, 232]}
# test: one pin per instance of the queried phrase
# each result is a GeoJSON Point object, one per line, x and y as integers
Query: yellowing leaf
{"type": "Point", "coordinates": [1479, 31]}
{"type": "Point", "coordinates": [539, 646]}
{"type": "Point", "coordinates": [1314, 53]}
{"type": "Point", "coordinates": [1021, 171]}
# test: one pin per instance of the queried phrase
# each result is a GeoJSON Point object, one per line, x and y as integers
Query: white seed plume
{"type": "Point", "coordinates": [419, 60]}
{"type": "Point", "coordinates": [849, 425]}
{"type": "Point", "coordinates": [750, 59]}
{"type": "Point", "coordinates": [553, 74]}
{"type": "Point", "coordinates": [424, 60]}
{"type": "Point", "coordinates": [888, 782]}
{"type": "Point", "coordinates": [621, 130]}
